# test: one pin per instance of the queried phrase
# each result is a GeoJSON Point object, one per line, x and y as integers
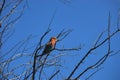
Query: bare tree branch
{"type": "Point", "coordinates": [92, 49]}
{"type": "Point", "coordinates": [63, 34]}
{"type": "Point", "coordinates": [1, 8]}
{"type": "Point", "coordinates": [72, 49]}
{"type": "Point", "coordinates": [40, 45]}
{"type": "Point", "coordinates": [93, 74]}
{"type": "Point", "coordinates": [54, 74]}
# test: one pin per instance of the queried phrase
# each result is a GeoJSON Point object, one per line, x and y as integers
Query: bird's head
{"type": "Point", "coordinates": [53, 40]}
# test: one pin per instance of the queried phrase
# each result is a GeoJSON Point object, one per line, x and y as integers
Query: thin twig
{"type": "Point", "coordinates": [93, 74]}
{"type": "Point", "coordinates": [71, 49]}
{"type": "Point", "coordinates": [54, 74]}
{"type": "Point", "coordinates": [1, 9]}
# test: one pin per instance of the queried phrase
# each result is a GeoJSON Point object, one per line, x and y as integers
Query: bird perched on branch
{"type": "Point", "coordinates": [49, 46]}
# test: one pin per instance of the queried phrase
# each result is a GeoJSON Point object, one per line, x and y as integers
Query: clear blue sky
{"type": "Point", "coordinates": [87, 18]}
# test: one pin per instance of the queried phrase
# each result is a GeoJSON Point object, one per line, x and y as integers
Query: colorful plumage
{"type": "Point", "coordinates": [50, 46]}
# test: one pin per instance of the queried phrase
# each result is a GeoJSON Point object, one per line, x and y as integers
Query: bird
{"type": "Point", "coordinates": [49, 46]}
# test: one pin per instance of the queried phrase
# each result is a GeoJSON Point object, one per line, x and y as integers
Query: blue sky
{"type": "Point", "coordinates": [87, 18]}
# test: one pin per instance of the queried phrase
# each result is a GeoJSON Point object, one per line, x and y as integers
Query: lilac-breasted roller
{"type": "Point", "coordinates": [49, 46]}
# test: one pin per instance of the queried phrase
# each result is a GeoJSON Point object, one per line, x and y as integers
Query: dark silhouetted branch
{"type": "Point", "coordinates": [92, 49]}
{"type": "Point", "coordinates": [93, 74]}
{"type": "Point", "coordinates": [54, 75]}
{"type": "Point", "coordinates": [72, 49]}
{"type": "Point", "coordinates": [63, 34]}
{"type": "Point", "coordinates": [1, 8]}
